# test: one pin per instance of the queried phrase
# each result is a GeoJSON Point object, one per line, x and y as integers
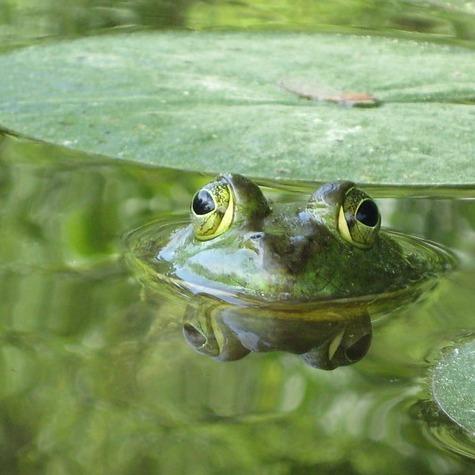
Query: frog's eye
{"type": "Point", "coordinates": [212, 210]}
{"type": "Point", "coordinates": [358, 219]}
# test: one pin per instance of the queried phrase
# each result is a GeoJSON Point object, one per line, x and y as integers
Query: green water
{"type": "Point", "coordinates": [26, 21]}
{"type": "Point", "coordinates": [97, 378]}
{"type": "Point", "coordinates": [95, 374]}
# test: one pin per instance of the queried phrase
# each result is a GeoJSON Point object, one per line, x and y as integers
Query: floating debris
{"type": "Point", "coordinates": [314, 92]}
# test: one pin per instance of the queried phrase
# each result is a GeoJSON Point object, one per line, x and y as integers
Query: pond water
{"type": "Point", "coordinates": [26, 21]}
{"type": "Point", "coordinates": [96, 374]}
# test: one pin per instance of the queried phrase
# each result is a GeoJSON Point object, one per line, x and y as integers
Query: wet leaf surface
{"type": "Point", "coordinates": [212, 102]}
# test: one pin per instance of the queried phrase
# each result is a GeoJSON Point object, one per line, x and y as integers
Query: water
{"type": "Point", "coordinates": [26, 21]}
{"type": "Point", "coordinates": [96, 375]}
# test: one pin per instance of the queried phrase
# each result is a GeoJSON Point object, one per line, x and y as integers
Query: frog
{"type": "Point", "coordinates": [302, 278]}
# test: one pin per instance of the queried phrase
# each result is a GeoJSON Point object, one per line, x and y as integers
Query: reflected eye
{"type": "Point", "coordinates": [193, 336]}
{"type": "Point", "coordinates": [358, 349]}
{"type": "Point", "coordinates": [212, 210]}
{"type": "Point", "coordinates": [359, 219]}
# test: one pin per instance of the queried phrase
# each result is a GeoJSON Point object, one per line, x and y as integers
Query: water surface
{"type": "Point", "coordinates": [96, 375]}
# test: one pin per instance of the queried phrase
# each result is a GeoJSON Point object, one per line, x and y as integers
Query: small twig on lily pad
{"type": "Point", "coordinates": [313, 92]}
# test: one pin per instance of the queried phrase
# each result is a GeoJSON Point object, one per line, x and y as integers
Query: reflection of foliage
{"type": "Point", "coordinates": [443, 220]}
{"type": "Point", "coordinates": [31, 19]}
{"type": "Point", "coordinates": [76, 227]}
{"type": "Point", "coordinates": [308, 15]}
{"type": "Point", "coordinates": [95, 380]}
{"type": "Point", "coordinates": [20, 19]}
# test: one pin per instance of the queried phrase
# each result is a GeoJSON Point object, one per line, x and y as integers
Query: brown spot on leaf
{"type": "Point", "coordinates": [318, 93]}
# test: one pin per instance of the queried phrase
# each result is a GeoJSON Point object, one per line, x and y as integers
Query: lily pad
{"type": "Point", "coordinates": [453, 385]}
{"type": "Point", "coordinates": [214, 102]}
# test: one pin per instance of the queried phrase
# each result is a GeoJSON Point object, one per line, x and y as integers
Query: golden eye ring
{"type": "Point", "coordinates": [359, 219]}
{"type": "Point", "coordinates": [212, 210]}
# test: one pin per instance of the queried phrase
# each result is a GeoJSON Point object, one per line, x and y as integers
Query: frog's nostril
{"type": "Point", "coordinates": [256, 236]}
{"type": "Point", "coordinates": [193, 336]}
{"type": "Point", "coordinates": [358, 349]}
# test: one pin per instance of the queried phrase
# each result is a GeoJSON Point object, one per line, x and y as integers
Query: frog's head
{"type": "Point", "coordinates": [331, 248]}
{"type": "Point", "coordinates": [238, 241]}
{"type": "Point", "coordinates": [229, 200]}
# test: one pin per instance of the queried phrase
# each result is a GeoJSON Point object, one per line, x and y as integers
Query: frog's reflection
{"type": "Point", "coordinates": [323, 339]}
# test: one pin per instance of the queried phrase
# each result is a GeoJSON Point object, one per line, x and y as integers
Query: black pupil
{"type": "Point", "coordinates": [203, 202]}
{"type": "Point", "coordinates": [367, 213]}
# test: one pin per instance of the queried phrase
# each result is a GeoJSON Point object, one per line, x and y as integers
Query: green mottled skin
{"type": "Point", "coordinates": [282, 253]}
